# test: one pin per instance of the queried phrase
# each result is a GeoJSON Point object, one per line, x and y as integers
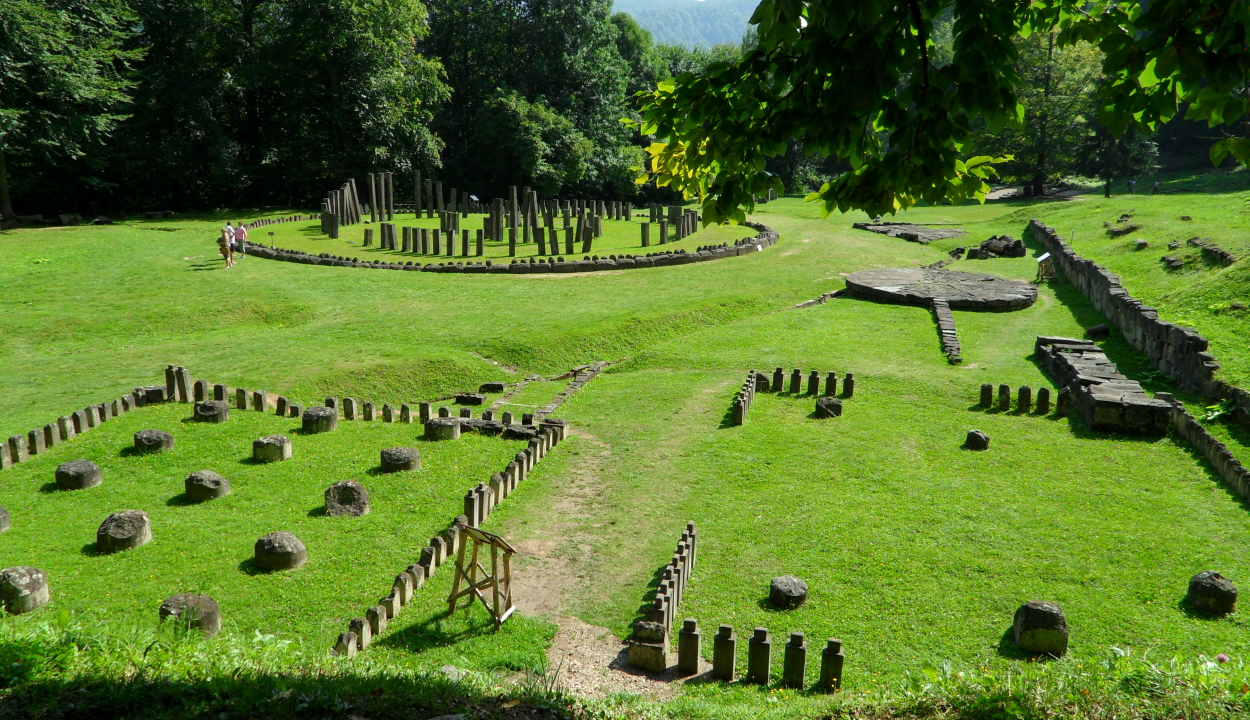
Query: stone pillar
{"type": "Point", "coordinates": [568, 240]}
{"type": "Point", "coordinates": [688, 647]}
{"type": "Point", "coordinates": [423, 410]}
{"type": "Point", "coordinates": [34, 442]}
{"type": "Point", "coordinates": [779, 380]}
{"type": "Point", "coordinates": [646, 234]}
{"type": "Point", "coordinates": [17, 449]}
{"type": "Point", "coordinates": [219, 392]}
{"type": "Point", "coordinates": [1024, 400]}
{"type": "Point", "coordinates": [813, 383]}
{"type": "Point", "coordinates": [663, 231]}
{"type": "Point", "coordinates": [540, 237]}
{"type": "Point", "coordinates": [65, 427]}
{"type": "Point", "coordinates": [1063, 402]}
{"type": "Point", "coordinates": [795, 663]}
{"type": "Point", "coordinates": [759, 657]}
{"type": "Point", "coordinates": [182, 376]}
{"type": "Point", "coordinates": [51, 435]}
{"type": "Point", "coordinates": [240, 398]}
{"type": "Point", "coordinates": [464, 243]}
{"type": "Point", "coordinates": [1004, 398]}
{"type": "Point", "coordinates": [724, 654]}
{"type": "Point", "coordinates": [349, 408]}
{"type": "Point", "coordinates": [987, 395]}
{"type": "Point", "coordinates": [367, 411]}
{"type": "Point", "coordinates": [848, 385]}
{"type": "Point", "coordinates": [481, 243]}
{"type": "Point", "coordinates": [405, 414]}
{"type": "Point", "coordinates": [796, 381]}
{"type": "Point", "coordinates": [831, 659]}
{"type": "Point", "coordinates": [258, 400]}
{"type": "Point", "coordinates": [170, 381]}
{"type": "Point", "coordinates": [831, 384]}
{"type": "Point", "coordinates": [1043, 401]}
{"type": "Point", "coordinates": [201, 390]}
{"type": "Point", "coordinates": [471, 508]}
{"type": "Point", "coordinates": [438, 236]}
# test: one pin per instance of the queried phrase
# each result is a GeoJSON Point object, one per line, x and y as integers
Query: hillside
{"type": "Point", "coordinates": [691, 23]}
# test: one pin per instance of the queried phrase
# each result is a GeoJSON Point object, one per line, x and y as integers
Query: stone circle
{"type": "Point", "coordinates": [961, 290]}
{"type": "Point", "coordinates": [977, 440]}
{"type": "Point", "coordinates": [204, 485]}
{"type": "Point", "coordinates": [153, 441]}
{"type": "Point", "coordinates": [78, 475]}
{"type": "Point", "coordinates": [212, 411]}
{"type": "Point", "coordinates": [195, 611]}
{"type": "Point", "coordinates": [828, 407]}
{"type": "Point", "coordinates": [319, 419]}
{"type": "Point", "coordinates": [271, 448]}
{"type": "Point", "coordinates": [23, 589]}
{"type": "Point", "coordinates": [399, 459]}
{"type": "Point", "coordinates": [279, 551]}
{"type": "Point", "coordinates": [787, 592]}
{"type": "Point", "coordinates": [1039, 628]}
{"type": "Point", "coordinates": [123, 530]}
{"type": "Point", "coordinates": [442, 428]}
{"type": "Point", "coordinates": [1211, 592]}
{"type": "Point", "coordinates": [347, 498]}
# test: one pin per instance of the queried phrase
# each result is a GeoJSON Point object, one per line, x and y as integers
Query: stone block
{"type": "Point", "coordinates": [987, 395]}
{"type": "Point", "coordinates": [200, 390]}
{"type": "Point", "coordinates": [367, 412]}
{"type": "Point", "coordinates": [346, 645]}
{"type": "Point", "coordinates": [442, 428]}
{"type": "Point", "coordinates": [492, 387]}
{"type": "Point", "coordinates": [1211, 593]}
{"type": "Point", "coordinates": [828, 407]}
{"type": "Point", "coordinates": [35, 442]}
{"type": "Point", "coordinates": [787, 592]}
{"type": "Point", "coordinates": [65, 427]}
{"type": "Point", "coordinates": [794, 664]}
{"type": "Point", "coordinates": [977, 440]}
{"type": "Point", "coordinates": [240, 399]}
{"type": "Point", "coordinates": [279, 551]}
{"type": "Point", "coordinates": [347, 498]}
{"type": "Point", "coordinates": [832, 659]}
{"type": "Point", "coordinates": [205, 485]}
{"type": "Point", "coordinates": [400, 459]}
{"type": "Point", "coordinates": [23, 589]}
{"type": "Point", "coordinates": [153, 441]}
{"type": "Point", "coordinates": [123, 530]}
{"type": "Point", "coordinates": [1043, 401]}
{"type": "Point", "coordinates": [724, 654]}
{"type": "Point", "coordinates": [363, 631]}
{"type": "Point", "coordinates": [1039, 628]}
{"type": "Point", "coordinates": [318, 420]}
{"type": "Point", "coordinates": [219, 392]}
{"type": "Point", "coordinates": [271, 448]}
{"type": "Point", "coordinates": [688, 642]}
{"type": "Point", "coordinates": [212, 411]}
{"type": "Point", "coordinates": [1004, 398]}
{"type": "Point", "coordinates": [193, 611]}
{"type": "Point", "coordinates": [78, 475]}
{"type": "Point", "coordinates": [377, 618]}
{"type": "Point", "coordinates": [1024, 400]}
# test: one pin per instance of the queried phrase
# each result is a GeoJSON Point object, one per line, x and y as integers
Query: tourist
{"type": "Point", "coordinates": [240, 237]}
{"type": "Point", "coordinates": [223, 243]}
{"type": "Point", "coordinates": [1107, 189]}
{"type": "Point", "coordinates": [1155, 191]}
{"type": "Point", "coordinates": [1132, 185]}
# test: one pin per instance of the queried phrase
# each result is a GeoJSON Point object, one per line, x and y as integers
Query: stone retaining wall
{"type": "Point", "coordinates": [764, 238]}
{"type": "Point", "coordinates": [1229, 469]}
{"type": "Point", "coordinates": [946, 330]}
{"type": "Point", "coordinates": [1180, 353]}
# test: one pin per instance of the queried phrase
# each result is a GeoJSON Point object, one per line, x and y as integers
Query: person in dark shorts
{"type": "Point", "coordinates": [223, 245]}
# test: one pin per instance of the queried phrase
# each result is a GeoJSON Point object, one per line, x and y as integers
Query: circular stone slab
{"type": "Point", "coordinates": [205, 485]}
{"type": "Point", "coordinates": [347, 497]}
{"type": "Point", "coordinates": [123, 530]}
{"type": "Point", "coordinates": [399, 459]}
{"type": "Point", "coordinates": [78, 475]}
{"type": "Point", "coordinates": [280, 551]}
{"type": "Point", "coordinates": [23, 589]}
{"type": "Point", "coordinates": [961, 290]}
{"type": "Point", "coordinates": [196, 611]}
{"type": "Point", "coordinates": [153, 440]}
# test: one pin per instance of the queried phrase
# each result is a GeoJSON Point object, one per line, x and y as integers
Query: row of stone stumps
{"type": "Point", "coordinates": [1024, 399]}
{"type": "Point", "coordinates": [759, 657]}
{"type": "Point", "coordinates": [826, 406]}
{"type": "Point", "coordinates": [649, 644]}
{"type": "Point", "coordinates": [479, 502]}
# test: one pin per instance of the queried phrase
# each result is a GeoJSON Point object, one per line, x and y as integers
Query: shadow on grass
{"type": "Point", "coordinates": [432, 633]}
{"type": "Point", "coordinates": [49, 488]}
{"type": "Point", "coordinates": [250, 567]}
{"type": "Point", "coordinates": [179, 500]}
{"type": "Point", "coordinates": [131, 451]}
{"type": "Point", "coordinates": [91, 550]}
{"type": "Point", "coordinates": [319, 511]}
{"type": "Point", "coordinates": [262, 694]}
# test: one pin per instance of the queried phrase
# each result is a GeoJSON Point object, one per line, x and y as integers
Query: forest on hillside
{"type": "Point", "coordinates": [110, 106]}
{"type": "Point", "coordinates": [691, 23]}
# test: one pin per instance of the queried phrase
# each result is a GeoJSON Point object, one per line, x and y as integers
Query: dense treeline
{"type": "Point", "coordinates": [229, 103]}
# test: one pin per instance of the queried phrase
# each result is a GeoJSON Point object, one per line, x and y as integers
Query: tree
{"type": "Point", "coordinates": [1104, 155]}
{"type": "Point", "coordinates": [681, 60]}
{"type": "Point", "coordinates": [646, 67]}
{"type": "Point", "coordinates": [856, 80]}
{"type": "Point", "coordinates": [529, 144]}
{"type": "Point", "coordinates": [63, 79]}
{"type": "Point", "coordinates": [1057, 87]}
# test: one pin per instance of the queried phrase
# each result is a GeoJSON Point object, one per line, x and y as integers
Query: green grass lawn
{"type": "Point", "coordinates": [917, 552]}
{"type": "Point", "coordinates": [208, 547]}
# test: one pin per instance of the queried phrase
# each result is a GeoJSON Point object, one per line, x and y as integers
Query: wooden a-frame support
{"type": "Point", "coordinates": [499, 583]}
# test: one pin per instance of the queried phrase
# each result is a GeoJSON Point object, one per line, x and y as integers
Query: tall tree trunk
{"type": "Point", "coordinates": [6, 205]}
{"type": "Point", "coordinates": [1043, 139]}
